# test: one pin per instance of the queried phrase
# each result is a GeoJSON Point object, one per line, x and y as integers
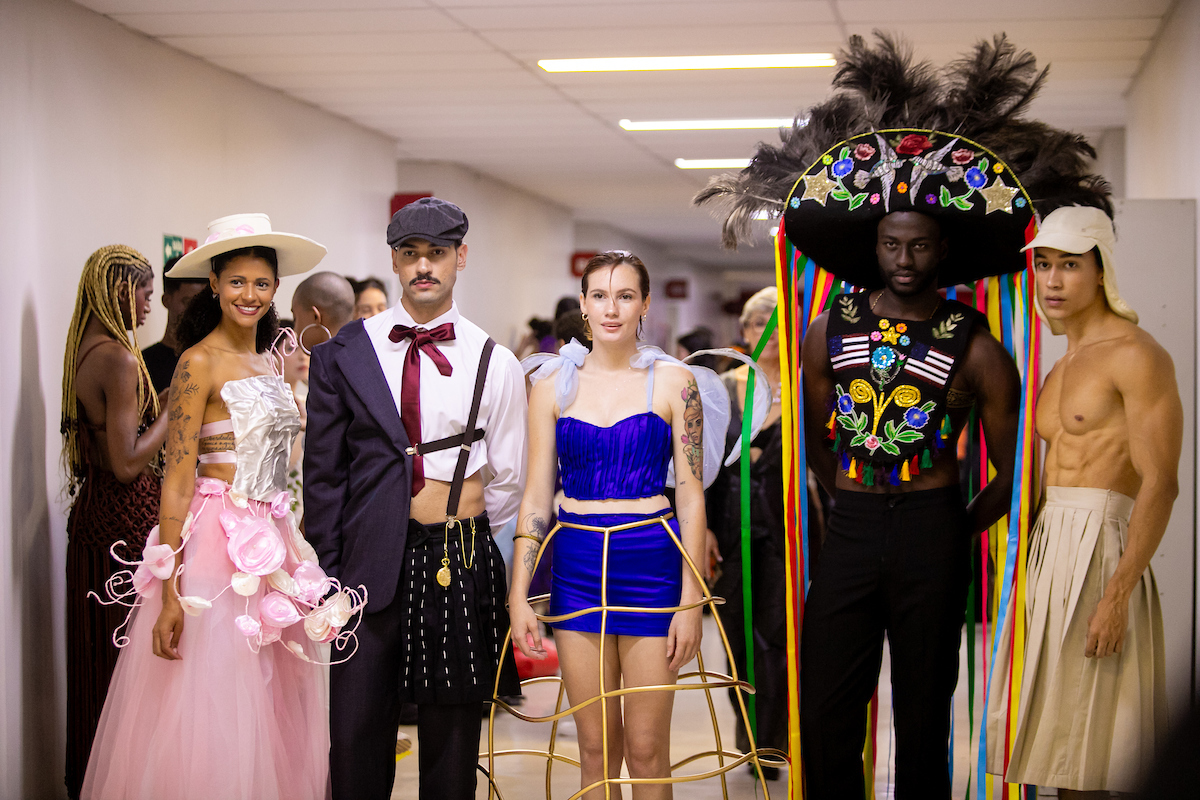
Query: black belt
{"type": "Point", "coordinates": [425, 448]}
{"type": "Point", "coordinates": [419, 533]}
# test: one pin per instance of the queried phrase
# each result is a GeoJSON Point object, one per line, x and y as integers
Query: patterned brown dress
{"type": "Point", "coordinates": [105, 511]}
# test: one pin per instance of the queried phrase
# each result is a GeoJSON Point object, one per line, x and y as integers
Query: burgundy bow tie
{"type": "Point", "coordinates": [410, 386]}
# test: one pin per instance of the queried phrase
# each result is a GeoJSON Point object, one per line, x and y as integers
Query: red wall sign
{"type": "Point", "coordinates": [579, 260]}
{"type": "Point", "coordinates": [676, 289]}
{"type": "Point", "coordinates": [399, 201]}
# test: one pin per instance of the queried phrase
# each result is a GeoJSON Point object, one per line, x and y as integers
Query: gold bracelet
{"type": "Point", "coordinates": [529, 536]}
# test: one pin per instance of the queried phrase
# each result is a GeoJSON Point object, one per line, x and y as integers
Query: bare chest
{"type": "Point", "coordinates": [1079, 397]}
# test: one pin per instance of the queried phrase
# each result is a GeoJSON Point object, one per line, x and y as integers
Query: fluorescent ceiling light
{"type": "Point", "coordinates": [687, 62]}
{"type": "Point", "coordinates": [774, 231]}
{"type": "Point", "coordinates": [705, 124]}
{"type": "Point", "coordinates": [712, 163]}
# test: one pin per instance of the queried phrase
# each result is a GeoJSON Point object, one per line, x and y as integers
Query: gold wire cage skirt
{"type": "Point", "coordinates": [701, 679]}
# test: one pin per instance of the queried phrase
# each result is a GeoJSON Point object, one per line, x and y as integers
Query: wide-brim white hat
{"type": "Point", "coordinates": [296, 253]}
{"type": "Point", "coordinates": [1078, 229]}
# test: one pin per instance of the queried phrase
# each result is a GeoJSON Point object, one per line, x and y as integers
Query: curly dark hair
{"type": "Point", "coordinates": [203, 314]}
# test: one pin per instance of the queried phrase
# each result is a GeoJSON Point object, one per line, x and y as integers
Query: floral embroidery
{"type": "Point", "coordinates": [884, 324]}
{"type": "Point", "coordinates": [876, 336]}
{"type": "Point", "coordinates": [902, 327]}
{"type": "Point", "coordinates": [826, 159]}
{"type": "Point", "coordinates": [854, 421]}
{"type": "Point", "coordinates": [913, 144]}
{"type": "Point", "coordinates": [975, 178]}
{"type": "Point", "coordinates": [795, 202]}
{"type": "Point", "coordinates": [1020, 202]}
{"type": "Point", "coordinates": [883, 358]}
{"type": "Point", "coordinates": [864, 151]}
{"type": "Point", "coordinates": [901, 187]}
{"type": "Point", "coordinates": [930, 199]}
{"type": "Point", "coordinates": [962, 156]}
{"type": "Point", "coordinates": [905, 341]}
{"type": "Point", "coordinates": [843, 168]}
{"type": "Point", "coordinates": [875, 199]}
{"type": "Point", "coordinates": [998, 168]}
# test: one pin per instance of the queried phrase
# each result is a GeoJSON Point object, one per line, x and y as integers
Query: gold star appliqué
{"type": "Point", "coordinates": [817, 187]}
{"type": "Point", "coordinates": [999, 196]}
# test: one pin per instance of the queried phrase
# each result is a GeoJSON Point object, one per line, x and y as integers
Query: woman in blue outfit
{"type": "Point", "coordinates": [631, 415]}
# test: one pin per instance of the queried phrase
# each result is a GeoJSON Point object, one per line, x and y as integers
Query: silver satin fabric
{"type": "Point", "coordinates": [265, 422]}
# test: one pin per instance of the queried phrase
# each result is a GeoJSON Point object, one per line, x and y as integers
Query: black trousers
{"type": "Point", "coordinates": [897, 564]}
{"type": "Point", "coordinates": [365, 695]}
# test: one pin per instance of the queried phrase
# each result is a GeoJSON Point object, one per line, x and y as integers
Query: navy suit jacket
{"type": "Point", "coordinates": [357, 478]}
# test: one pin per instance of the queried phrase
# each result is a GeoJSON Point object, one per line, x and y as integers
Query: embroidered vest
{"type": "Point", "coordinates": [892, 376]}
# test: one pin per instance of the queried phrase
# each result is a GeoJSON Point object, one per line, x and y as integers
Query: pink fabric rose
{"type": "Point", "coordinates": [254, 544]}
{"type": "Point", "coordinates": [277, 610]}
{"type": "Point", "coordinates": [281, 505]}
{"type": "Point", "coordinates": [318, 629]}
{"type": "Point", "coordinates": [962, 156]}
{"type": "Point", "coordinates": [248, 625]}
{"type": "Point", "coordinates": [872, 443]}
{"type": "Point", "coordinates": [311, 583]}
{"type": "Point", "coordinates": [211, 487]}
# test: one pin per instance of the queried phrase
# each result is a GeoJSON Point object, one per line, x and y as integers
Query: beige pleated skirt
{"type": "Point", "coordinates": [1082, 723]}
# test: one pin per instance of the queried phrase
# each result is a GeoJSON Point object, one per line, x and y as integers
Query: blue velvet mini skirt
{"type": "Point", "coordinates": [645, 570]}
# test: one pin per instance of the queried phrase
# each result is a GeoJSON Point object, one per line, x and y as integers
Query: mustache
{"type": "Point", "coordinates": [419, 278]}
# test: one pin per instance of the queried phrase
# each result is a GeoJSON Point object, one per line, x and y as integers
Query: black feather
{"type": "Point", "coordinates": [982, 96]}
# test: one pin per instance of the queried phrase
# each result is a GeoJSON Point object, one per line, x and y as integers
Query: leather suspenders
{"type": "Point", "coordinates": [464, 440]}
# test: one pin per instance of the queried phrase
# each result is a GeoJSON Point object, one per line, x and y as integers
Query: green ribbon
{"type": "Point", "coordinates": [747, 611]}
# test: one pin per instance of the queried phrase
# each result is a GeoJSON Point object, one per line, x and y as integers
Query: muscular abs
{"type": "Point", "coordinates": [1081, 415]}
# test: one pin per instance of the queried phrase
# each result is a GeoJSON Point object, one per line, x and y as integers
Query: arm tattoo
{"type": "Point", "coordinates": [530, 559]}
{"type": "Point", "coordinates": [536, 526]}
{"type": "Point", "coordinates": [177, 419]}
{"type": "Point", "coordinates": [693, 423]}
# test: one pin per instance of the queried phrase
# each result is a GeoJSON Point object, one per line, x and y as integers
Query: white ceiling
{"type": "Point", "coordinates": [457, 80]}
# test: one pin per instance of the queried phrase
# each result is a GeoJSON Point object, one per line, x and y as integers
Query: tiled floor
{"type": "Point", "coordinates": [524, 777]}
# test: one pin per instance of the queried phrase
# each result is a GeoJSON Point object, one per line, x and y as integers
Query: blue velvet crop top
{"type": "Point", "coordinates": [625, 461]}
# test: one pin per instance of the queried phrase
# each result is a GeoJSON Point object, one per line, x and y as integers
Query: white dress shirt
{"type": "Point", "coordinates": [446, 403]}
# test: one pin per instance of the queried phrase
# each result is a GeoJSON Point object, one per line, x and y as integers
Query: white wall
{"type": "Point", "coordinates": [106, 137]}
{"type": "Point", "coordinates": [1162, 160]}
{"type": "Point", "coordinates": [519, 247]}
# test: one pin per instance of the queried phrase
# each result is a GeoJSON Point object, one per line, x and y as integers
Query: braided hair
{"type": "Point", "coordinates": [99, 296]}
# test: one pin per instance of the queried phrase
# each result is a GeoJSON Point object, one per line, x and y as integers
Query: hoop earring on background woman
{"type": "Point", "coordinates": [300, 338]}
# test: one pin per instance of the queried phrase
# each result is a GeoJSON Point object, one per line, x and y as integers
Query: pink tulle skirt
{"type": "Point", "coordinates": [225, 722]}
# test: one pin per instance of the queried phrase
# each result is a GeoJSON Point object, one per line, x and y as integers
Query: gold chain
{"type": "Point", "coordinates": [443, 574]}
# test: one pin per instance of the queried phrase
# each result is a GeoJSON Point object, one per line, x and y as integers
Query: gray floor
{"type": "Point", "coordinates": [524, 777]}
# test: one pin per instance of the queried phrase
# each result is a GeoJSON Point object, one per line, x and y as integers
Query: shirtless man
{"type": "Point", "coordinates": [1093, 698]}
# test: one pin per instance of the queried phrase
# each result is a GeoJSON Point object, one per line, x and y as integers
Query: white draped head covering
{"type": "Point", "coordinates": [714, 397]}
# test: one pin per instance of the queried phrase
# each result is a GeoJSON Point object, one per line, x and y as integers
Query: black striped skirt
{"type": "Point", "coordinates": [451, 637]}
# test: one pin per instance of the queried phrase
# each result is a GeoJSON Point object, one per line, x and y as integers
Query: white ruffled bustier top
{"type": "Point", "coordinates": [265, 422]}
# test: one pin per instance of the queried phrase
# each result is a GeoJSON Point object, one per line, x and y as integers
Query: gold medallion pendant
{"type": "Point", "coordinates": [443, 574]}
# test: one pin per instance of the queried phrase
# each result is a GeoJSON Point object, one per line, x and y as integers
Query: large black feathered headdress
{"type": "Point", "coordinates": [902, 136]}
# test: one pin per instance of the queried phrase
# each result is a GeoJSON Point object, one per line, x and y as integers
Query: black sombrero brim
{"type": "Point", "coordinates": [834, 209]}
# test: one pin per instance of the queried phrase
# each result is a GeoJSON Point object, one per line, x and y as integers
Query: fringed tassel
{"type": "Point", "coordinates": [868, 475]}
{"type": "Point", "coordinates": [926, 459]}
{"type": "Point", "coordinates": [905, 475]}
{"type": "Point", "coordinates": [852, 471]}
{"type": "Point", "coordinates": [894, 477]}
{"type": "Point", "coordinates": [832, 425]}
{"type": "Point", "coordinates": [846, 463]}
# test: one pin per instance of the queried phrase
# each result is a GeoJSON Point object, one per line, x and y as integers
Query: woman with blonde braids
{"type": "Point", "coordinates": [113, 432]}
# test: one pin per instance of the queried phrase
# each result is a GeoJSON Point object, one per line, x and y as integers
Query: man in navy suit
{"type": "Point", "coordinates": [401, 492]}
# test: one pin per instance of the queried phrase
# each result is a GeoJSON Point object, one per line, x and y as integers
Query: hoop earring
{"type": "Point", "coordinates": [300, 338]}
{"type": "Point", "coordinates": [641, 329]}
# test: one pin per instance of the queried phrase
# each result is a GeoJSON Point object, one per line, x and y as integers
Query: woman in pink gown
{"type": "Point", "coordinates": [218, 692]}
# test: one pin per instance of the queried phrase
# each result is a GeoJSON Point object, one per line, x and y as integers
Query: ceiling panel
{"type": "Point", "coordinates": [456, 80]}
{"type": "Point", "coordinates": [583, 15]}
{"type": "Point", "coordinates": [281, 23]}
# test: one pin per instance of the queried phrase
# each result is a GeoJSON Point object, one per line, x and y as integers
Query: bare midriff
{"type": "Point", "coordinates": [636, 505]}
